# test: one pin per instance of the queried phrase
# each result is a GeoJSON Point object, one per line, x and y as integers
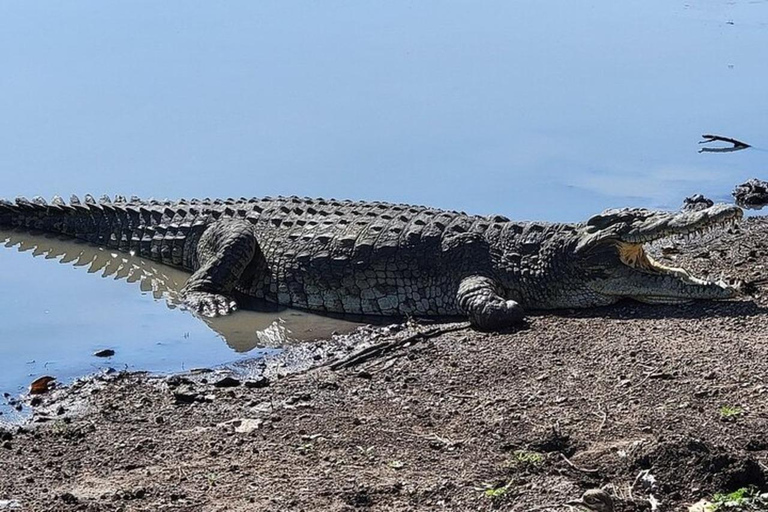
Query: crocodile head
{"type": "Point", "coordinates": [610, 248]}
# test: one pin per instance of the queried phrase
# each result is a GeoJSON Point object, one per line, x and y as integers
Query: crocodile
{"type": "Point", "coordinates": [377, 258]}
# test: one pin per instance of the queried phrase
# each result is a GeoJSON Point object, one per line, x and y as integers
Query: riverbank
{"type": "Point", "coordinates": [652, 403]}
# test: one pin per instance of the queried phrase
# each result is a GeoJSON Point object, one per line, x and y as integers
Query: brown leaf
{"type": "Point", "coordinates": [41, 385]}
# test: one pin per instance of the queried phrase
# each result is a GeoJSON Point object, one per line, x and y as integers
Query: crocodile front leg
{"type": "Point", "coordinates": [224, 251]}
{"type": "Point", "coordinates": [480, 298]}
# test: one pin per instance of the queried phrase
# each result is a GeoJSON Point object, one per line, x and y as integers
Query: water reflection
{"type": "Point", "coordinates": [260, 325]}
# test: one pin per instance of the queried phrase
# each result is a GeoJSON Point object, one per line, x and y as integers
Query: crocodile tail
{"type": "Point", "coordinates": [75, 219]}
{"type": "Point", "coordinates": [153, 230]}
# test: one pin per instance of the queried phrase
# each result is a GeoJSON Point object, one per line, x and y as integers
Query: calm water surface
{"type": "Point", "coordinates": [551, 110]}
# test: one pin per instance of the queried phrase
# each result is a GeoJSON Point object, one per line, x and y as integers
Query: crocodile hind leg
{"type": "Point", "coordinates": [480, 298]}
{"type": "Point", "coordinates": [225, 250]}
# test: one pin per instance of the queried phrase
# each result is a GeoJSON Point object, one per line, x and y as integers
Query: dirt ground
{"type": "Point", "coordinates": [660, 406]}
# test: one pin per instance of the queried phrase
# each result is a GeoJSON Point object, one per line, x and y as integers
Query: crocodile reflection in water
{"type": "Point", "coordinates": [261, 325]}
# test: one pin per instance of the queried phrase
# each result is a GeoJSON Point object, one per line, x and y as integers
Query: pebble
{"type": "Point", "coordinates": [261, 382]}
{"type": "Point", "coordinates": [226, 382]}
{"type": "Point", "coordinates": [69, 498]}
{"type": "Point", "coordinates": [107, 352]}
{"type": "Point", "coordinates": [185, 396]}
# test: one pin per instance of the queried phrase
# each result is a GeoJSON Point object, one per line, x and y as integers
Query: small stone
{"type": "Point", "coordinates": [7, 445]}
{"type": "Point", "coordinates": [261, 382]}
{"type": "Point", "coordinates": [246, 425]}
{"type": "Point", "coordinates": [69, 498]}
{"type": "Point", "coordinates": [159, 420]}
{"type": "Point", "coordinates": [363, 374]}
{"type": "Point", "coordinates": [757, 444]}
{"type": "Point", "coordinates": [185, 396]}
{"type": "Point", "coordinates": [107, 352]}
{"type": "Point", "coordinates": [226, 382]}
{"type": "Point", "coordinates": [36, 400]}
{"type": "Point", "coordinates": [60, 410]}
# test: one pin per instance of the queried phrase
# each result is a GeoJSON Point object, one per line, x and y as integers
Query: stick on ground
{"type": "Point", "coordinates": [388, 346]}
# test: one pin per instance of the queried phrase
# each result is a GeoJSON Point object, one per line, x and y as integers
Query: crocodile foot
{"type": "Point", "coordinates": [495, 315]}
{"type": "Point", "coordinates": [479, 297]}
{"type": "Point", "coordinates": [209, 304]}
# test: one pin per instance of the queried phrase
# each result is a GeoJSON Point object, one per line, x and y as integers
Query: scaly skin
{"type": "Point", "coordinates": [385, 259]}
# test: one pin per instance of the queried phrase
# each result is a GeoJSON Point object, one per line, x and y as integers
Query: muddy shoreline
{"type": "Point", "coordinates": [659, 406]}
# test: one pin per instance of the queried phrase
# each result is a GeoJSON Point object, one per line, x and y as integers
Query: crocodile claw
{"type": "Point", "coordinates": [209, 304]}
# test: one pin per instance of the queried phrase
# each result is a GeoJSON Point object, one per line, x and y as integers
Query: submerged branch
{"type": "Point", "coordinates": [737, 145]}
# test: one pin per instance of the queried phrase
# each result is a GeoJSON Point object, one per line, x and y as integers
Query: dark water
{"type": "Point", "coordinates": [551, 110]}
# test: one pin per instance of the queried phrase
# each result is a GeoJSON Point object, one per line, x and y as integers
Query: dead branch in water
{"type": "Point", "coordinates": [737, 145]}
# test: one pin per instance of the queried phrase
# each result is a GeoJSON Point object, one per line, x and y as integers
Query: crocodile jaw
{"type": "Point", "coordinates": [649, 281]}
{"type": "Point", "coordinates": [642, 278]}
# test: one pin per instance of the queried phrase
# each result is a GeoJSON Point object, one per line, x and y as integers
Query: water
{"type": "Point", "coordinates": [550, 110]}
{"type": "Point", "coordinates": [74, 299]}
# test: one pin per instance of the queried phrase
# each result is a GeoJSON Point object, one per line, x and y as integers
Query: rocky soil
{"type": "Point", "coordinates": [658, 406]}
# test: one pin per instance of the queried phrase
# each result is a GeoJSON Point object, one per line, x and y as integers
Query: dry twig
{"type": "Point", "coordinates": [577, 468]}
{"type": "Point", "coordinates": [604, 414]}
{"type": "Point", "coordinates": [388, 346]}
